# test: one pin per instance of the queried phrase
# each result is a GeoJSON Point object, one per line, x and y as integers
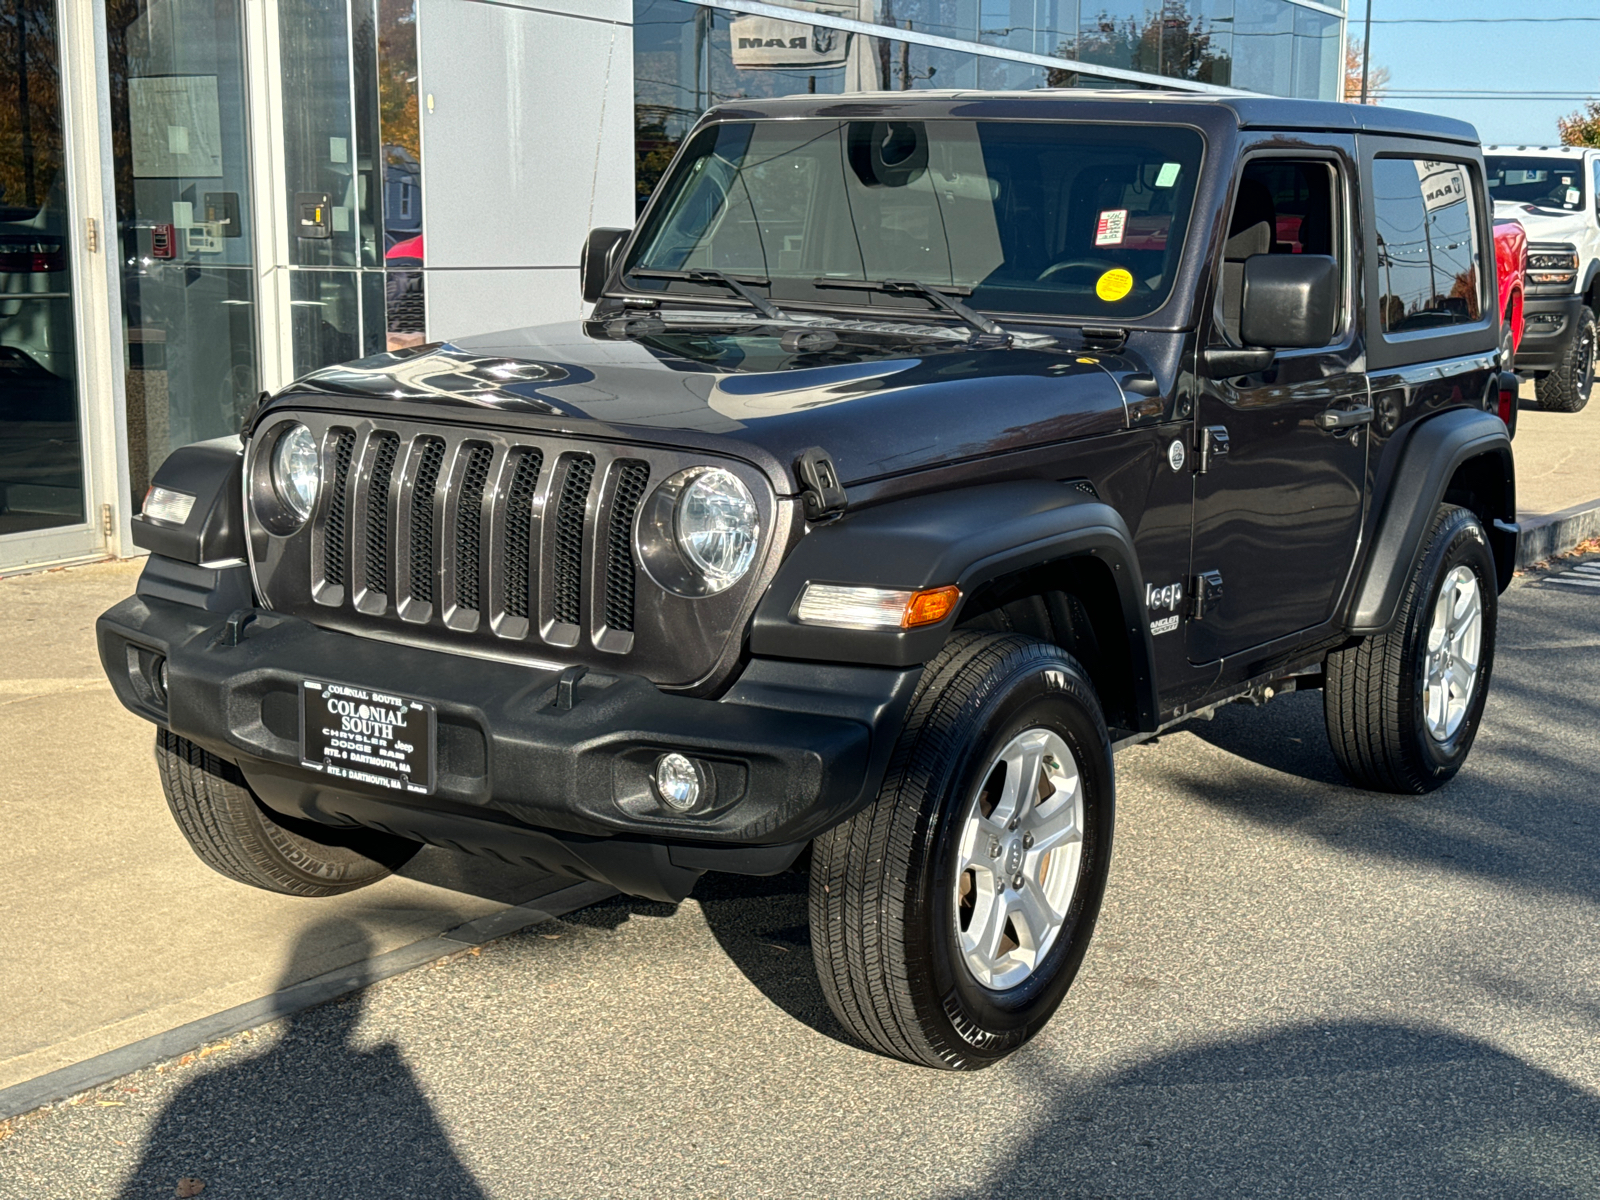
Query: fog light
{"type": "Point", "coordinates": [158, 680]}
{"type": "Point", "coordinates": [677, 782]}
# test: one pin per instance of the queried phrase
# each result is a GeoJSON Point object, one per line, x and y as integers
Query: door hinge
{"type": "Point", "coordinates": [91, 235]}
{"type": "Point", "coordinates": [820, 489]}
{"type": "Point", "coordinates": [108, 520]}
{"type": "Point", "coordinates": [1213, 445]}
{"type": "Point", "coordinates": [1205, 594]}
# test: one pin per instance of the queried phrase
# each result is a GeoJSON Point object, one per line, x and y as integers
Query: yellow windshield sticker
{"type": "Point", "coordinates": [1114, 284]}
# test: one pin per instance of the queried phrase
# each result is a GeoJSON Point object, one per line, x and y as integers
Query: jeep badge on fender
{"type": "Point", "coordinates": [916, 455]}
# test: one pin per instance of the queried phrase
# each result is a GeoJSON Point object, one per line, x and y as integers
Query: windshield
{"type": "Point", "coordinates": [1029, 217]}
{"type": "Point", "coordinates": [1547, 182]}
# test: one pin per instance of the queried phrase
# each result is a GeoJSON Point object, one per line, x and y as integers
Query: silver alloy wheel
{"type": "Point", "coordinates": [1018, 859]}
{"type": "Point", "coordinates": [1450, 665]}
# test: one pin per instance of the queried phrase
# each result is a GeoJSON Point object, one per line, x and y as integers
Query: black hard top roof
{"type": "Point", "coordinates": [1247, 111]}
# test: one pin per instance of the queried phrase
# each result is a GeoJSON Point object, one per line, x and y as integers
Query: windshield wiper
{"type": "Point", "coordinates": [735, 284]}
{"type": "Point", "coordinates": [941, 297]}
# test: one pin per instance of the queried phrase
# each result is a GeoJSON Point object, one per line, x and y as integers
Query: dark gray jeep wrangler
{"type": "Point", "coordinates": [920, 451]}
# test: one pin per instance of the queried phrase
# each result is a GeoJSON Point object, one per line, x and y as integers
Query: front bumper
{"type": "Point", "coordinates": [791, 750]}
{"type": "Point", "coordinates": [1550, 322]}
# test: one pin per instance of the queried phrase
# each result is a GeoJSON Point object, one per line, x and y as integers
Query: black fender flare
{"type": "Point", "coordinates": [1589, 279]}
{"type": "Point", "coordinates": [967, 537]}
{"type": "Point", "coordinates": [211, 472]}
{"type": "Point", "coordinates": [1430, 458]}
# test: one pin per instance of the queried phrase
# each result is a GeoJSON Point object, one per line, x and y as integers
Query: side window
{"type": "Point", "coordinates": [1284, 206]}
{"type": "Point", "coordinates": [1595, 176]}
{"type": "Point", "coordinates": [1427, 245]}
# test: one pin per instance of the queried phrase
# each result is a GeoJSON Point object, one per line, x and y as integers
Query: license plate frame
{"type": "Point", "coordinates": [367, 736]}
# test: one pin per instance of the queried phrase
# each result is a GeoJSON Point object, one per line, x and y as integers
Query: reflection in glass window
{"type": "Point", "coordinates": [1317, 70]}
{"type": "Point", "coordinates": [1026, 217]}
{"type": "Point", "coordinates": [1263, 46]}
{"type": "Point", "coordinates": [41, 468]}
{"type": "Point", "coordinates": [184, 228]}
{"type": "Point", "coordinates": [1427, 235]}
{"type": "Point", "coordinates": [1184, 39]}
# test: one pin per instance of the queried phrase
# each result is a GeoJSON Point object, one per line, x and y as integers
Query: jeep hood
{"type": "Point", "coordinates": [882, 410]}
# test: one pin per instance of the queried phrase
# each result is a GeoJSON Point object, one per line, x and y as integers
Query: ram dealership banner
{"type": "Point", "coordinates": [765, 43]}
{"type": "Point", "coordinates": [1443, 184]}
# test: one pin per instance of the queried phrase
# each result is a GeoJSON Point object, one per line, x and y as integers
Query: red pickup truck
{"type": "Point", "coordinates": [1510, 258]}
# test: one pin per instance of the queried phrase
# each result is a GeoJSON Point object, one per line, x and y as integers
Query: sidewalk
{"type": "Point", "coordinates": [115, 932]}
{"type": "Point", "coordinates": [1558, 457]}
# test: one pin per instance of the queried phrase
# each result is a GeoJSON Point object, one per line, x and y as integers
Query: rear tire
{"type": "Point", "coordinates": [1566, 387]}
{"type": "Point", "coordinates": [924, 906]}
{"type": "Point", "coordinates": [1399, 718]}
{"type": "Point", "coordinates": [236, 836]}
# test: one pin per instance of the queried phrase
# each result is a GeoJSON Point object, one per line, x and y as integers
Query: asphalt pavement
{"type": "Point", "coordinates": [1297, 988]}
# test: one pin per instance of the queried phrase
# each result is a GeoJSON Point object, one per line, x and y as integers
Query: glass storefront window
{"type": "Point", "coordinates": [688, 57]}
{"type": "Point", "coordinates": [1183, 39]}
{"type": "Point", "coordinates": [184, 229]}
{"type": "Point", "coordinates": [354, 160]}
{"type": "Point", "coordinates": [41, 456]}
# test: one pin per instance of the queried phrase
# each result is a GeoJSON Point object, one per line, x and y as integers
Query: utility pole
{"type": "Point", "coordinates": [1366, 52]}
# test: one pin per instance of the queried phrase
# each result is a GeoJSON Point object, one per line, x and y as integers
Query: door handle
{"type": "Point", "coordinates": [1344, 418]}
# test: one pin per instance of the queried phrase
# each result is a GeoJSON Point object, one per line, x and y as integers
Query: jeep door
{"type": "Point", "coordinates": [1280, 483]}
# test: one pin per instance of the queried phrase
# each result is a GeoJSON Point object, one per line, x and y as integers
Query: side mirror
{"type": "Point", "coordinates": [1289, 301]}
{"type": "Point", "coordinates": [599, 255]}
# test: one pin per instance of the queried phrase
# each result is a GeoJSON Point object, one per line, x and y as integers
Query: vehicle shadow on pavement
{"type": "Point", "coordinates": [1285, 735]}
{"type": "Point", "coordinates": [316, 1114]}
{"type": "Point", "coordinates": [762, 925]}
{"type": "Point", "coordinates": [1517, 812]}
{"type": "Point", "coordinates": [1353, 1109]}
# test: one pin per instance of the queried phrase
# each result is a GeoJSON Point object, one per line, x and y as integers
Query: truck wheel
{"type": "Point", "coordinates": [236, 836]}
{"type": "Point", "coordinates": [1402, 708]}
{"type": "Point", "coordinates": [950, 916]}
{"type": "Point", "coordinates": [1566, 387]}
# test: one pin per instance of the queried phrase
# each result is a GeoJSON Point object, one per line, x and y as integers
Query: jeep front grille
{"type": "Point", "coordinates": [522, 546]}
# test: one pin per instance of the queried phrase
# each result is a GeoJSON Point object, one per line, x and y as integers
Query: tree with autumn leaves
{"type": "Point", "coordinates": [1581, 128]}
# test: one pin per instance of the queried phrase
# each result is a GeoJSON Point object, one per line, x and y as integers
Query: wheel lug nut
{"type": "Point", "coordinates": [1013, 824]}
{"type": "Point", "coordinates": [1027, 841]}
{"type": "Point", "coordinates": [1016, 882]}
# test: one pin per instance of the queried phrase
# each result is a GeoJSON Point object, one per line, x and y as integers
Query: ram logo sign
{"type": "Point", "coordinates": [762, 43]}
{"type": "Point", "coordinates": [1443, 184]}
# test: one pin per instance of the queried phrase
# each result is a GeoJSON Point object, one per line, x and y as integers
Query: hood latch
{"type": "Point", "coordinates": [1105, 339]}
{"type": "Point", "coordinates": [820, 489]}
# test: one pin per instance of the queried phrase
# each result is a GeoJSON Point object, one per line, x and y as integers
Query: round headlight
{"type": "Point", "coordinates": [296, 471]}
{"type": "Point", "coordinates": [717, 527]}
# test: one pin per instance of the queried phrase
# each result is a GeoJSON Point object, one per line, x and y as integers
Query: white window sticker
{"type": "Point", "coordinates": [1109, 231]}
{"type": "Point", "coordinates": [1168, 176]}
{"type": "Point", "coordinates": [1573, 195]}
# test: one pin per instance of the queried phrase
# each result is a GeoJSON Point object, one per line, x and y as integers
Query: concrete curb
{"type": "Point", "coordinates": [103, 1068]}
{"type": "Point", "coordinates": [1556, 533]}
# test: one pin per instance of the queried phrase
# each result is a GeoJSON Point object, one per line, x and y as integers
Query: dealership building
{"type": "Point", "coordinates": [202, 199]}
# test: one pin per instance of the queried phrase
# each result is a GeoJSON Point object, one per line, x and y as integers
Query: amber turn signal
{"type": "Point", "coordinates": [930, 606]}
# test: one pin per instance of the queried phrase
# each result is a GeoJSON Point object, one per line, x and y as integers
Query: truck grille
{"type": "Point", "coordinates": [523, 546]}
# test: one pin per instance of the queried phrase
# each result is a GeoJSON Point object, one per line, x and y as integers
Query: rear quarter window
{"type": "Point", "coordinates": [1427, 252]}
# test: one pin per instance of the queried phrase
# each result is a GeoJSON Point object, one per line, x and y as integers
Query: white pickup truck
{"type": "Point", "coordinates": [1554, 191]}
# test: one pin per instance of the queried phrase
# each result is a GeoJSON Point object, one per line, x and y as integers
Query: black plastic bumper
{"type": "Point", "coordinates": [790, 750]}
{"type": "Point", "coordinates": [1551, 322]}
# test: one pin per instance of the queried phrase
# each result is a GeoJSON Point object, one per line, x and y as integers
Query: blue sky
{"type": "Point", "coordinates": [1528, 57]}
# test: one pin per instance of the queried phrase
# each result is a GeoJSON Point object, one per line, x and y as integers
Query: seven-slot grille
{"type": "Point", "coordinates": [430, 529]}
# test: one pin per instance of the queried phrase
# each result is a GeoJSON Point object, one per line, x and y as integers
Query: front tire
{"type": "Point", "coordinates": [949, 918]}
{"type": "Point", "coordinates": [235, 835]}
{"type": "Point", "coordinates": [1566, 388]}
{"type": "Point", "coordinates": [1402, 708]}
